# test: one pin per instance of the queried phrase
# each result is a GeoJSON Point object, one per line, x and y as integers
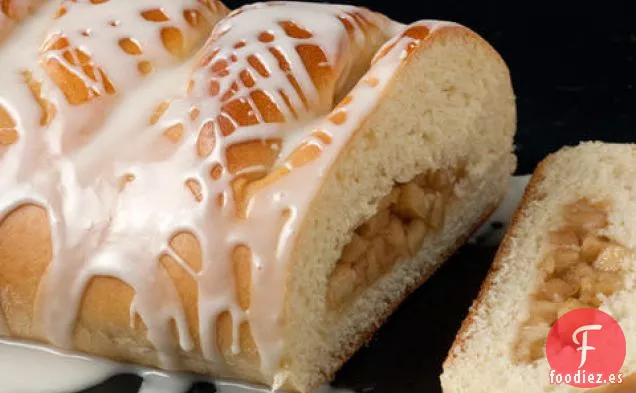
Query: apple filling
{"type": "Point", "coordinates": [395, 233]}
{"type": "Point", "coordinates": [581, 268]}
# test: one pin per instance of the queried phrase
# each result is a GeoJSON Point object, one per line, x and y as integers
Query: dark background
{"type": "Point", "coordinates": [573, 66]}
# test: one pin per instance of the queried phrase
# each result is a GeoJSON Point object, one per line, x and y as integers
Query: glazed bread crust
{"type": "Point", "coordinates": [333, 127]}
{"type": "Point", "coordinates": [13, 12]}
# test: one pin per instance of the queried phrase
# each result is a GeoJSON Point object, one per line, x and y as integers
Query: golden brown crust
{"type": "Point", "coordinates": [25, 249]}
{"type": "Point", "coordinates": [103, 324]}
{"type": "Point", "coordinates": [84, 82]}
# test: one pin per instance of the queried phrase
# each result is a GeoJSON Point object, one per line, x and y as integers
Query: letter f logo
{"type": "Point", "coordinates": [583, 345]}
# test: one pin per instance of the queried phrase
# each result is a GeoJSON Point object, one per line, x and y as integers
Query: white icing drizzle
{"type": "Point", "coordinates": [15, 97]}
{"type": "Point", "coordinates": [88, 27]}
{"type": "Point", "coordinates": [80, 208]}
{"type": "Point", "coordinates": [96, 30]}
{"type": "Point", "coordinates": [138, 215]}
{"type": "Point", "coordinates": [99, 231]}
{"type": "Point", "coordinates": [128, 118]}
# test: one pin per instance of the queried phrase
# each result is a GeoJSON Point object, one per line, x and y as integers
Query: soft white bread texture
{"type": "Point", "coordinates": [483, 357]}
{"type": "Point", "coordinates": [450, 105]}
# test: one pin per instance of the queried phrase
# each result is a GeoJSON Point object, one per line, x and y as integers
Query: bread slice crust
{"type": "Point", "coordinates": [609, 162]}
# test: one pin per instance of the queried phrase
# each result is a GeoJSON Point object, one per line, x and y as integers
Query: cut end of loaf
{"type": "Point", "coordinates": [410, 213]}
{"type": "Point", "coordinates": [389, 164]}
{"type": "Point", "coordinates": [581, 267]}
{"type": "Point", "coordinates": [463, 93]}
{"type": "Point", "coordinates": [568, 247]}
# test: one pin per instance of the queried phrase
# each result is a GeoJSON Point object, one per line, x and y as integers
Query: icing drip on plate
{"type": "Point", "coordinates": [29, 368]}
{"type": "Point", "coordinates": [53, 371]}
